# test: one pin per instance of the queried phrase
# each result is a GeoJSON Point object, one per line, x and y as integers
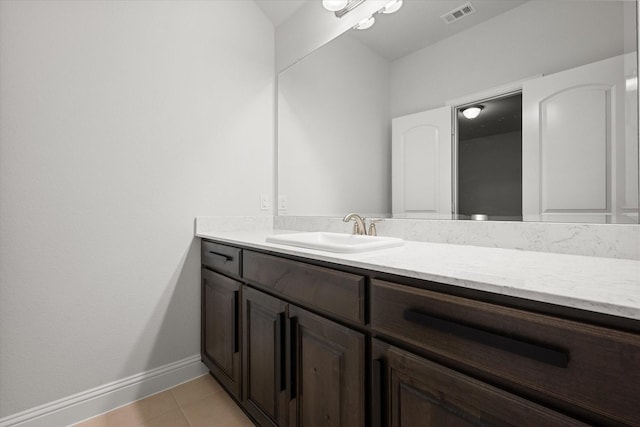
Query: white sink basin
{"type": "Point", "coordinates": [336, 242]}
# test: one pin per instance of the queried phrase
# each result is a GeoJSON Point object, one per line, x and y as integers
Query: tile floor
{"type": "Point", "coordinates": [198, 403]}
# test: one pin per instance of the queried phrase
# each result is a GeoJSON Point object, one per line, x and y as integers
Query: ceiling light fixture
{"type": "Point", "coordinates": [334, 5]}
{"type": "Point", "coordinates": [472, 112]}
{"type": "Point", "coordinates": [365, 23]}
{"type": "Point", "coordinates": [392, 6]}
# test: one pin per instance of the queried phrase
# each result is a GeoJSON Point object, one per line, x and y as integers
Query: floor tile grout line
{"type": "Point", "coordinates": [184, 415]}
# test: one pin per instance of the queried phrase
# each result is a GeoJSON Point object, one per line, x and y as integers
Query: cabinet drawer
{"type": "Point", "coordinates": [335, 292]}
{"type": "Point", "coordinates": [222, 258]}
{"type": "Point", "coordinates": [590, 368]}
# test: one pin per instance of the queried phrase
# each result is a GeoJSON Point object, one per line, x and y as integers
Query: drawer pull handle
{"type": "Point", "coordinates": [220, 257]}
{"type": "Point", "coordinates": [512, 345]}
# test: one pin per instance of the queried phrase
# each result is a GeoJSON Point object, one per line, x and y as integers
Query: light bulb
{"type": "Point", "coordinates": [365, 23]}
{"type": "Point", "coordinates": [334, 5]}
{"type": "Point", "coordinates": [472, 112]}
{"type": "Point", "coordinates": [392, 6]}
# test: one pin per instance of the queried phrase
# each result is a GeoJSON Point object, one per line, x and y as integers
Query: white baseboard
{"type": "Point", "coordinates": [87, 404]}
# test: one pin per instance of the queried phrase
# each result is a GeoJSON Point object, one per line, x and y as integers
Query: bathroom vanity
{"type": "Point", "coordinates": [302, 337]}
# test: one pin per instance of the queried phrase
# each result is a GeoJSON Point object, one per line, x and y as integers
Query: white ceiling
{"type": "Point", "coordinates": [417, 24]}
{"type": "Point", "coordinates": [279, 11]}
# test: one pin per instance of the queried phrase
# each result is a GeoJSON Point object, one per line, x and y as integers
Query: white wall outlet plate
{"type": "Point", "coordinates": [282, 203]}
{"type": "Point", "coordinates": [264, 202]}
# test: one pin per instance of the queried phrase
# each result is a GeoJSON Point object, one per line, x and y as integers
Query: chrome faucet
{"type": "Point", "coordinates": [359, 226]}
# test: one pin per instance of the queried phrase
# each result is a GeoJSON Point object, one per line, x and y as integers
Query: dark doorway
{"type": "Point", "coordinates": [489, 155]}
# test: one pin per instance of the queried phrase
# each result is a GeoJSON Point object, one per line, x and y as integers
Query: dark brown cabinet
{"type": "Point", "coordinates": [264, 359]}
{"type": "Point", "coordinates": [304, 343]}
{"type": "Point", "coordinates": [327, 369]}
{"type": "Point", "coordinates": [220, 328]}
{"type": "Point", "coordinates": [295, 359]}
{"type": "Point", "coordinates": [555, 361]}
{"type": "Point", "coordinates": [300, 369]}
{"type": "Point", "coordinates": [421, 393]}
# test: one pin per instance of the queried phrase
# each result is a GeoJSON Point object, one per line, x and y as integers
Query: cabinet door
{"type": "Point", "coordinates": [574, 152]}
{"type": "Point", "coordinates": [421, 165]}
{"type": "Point", "coordinates": [423, 394]}
{"type": "Point", "coordinates": [327, 372]}
{"type": "Point", "coordinates": [264, 358]}
{"type": "Point", "coordinates": [220, 328]}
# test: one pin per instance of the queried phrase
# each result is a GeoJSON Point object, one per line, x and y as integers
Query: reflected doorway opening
{"type": "Point", "coordinates": [488, 160]}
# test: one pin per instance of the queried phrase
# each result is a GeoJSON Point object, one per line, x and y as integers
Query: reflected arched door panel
{"type": "Point", "coordinates": [421, 164]}
{"type": "Point", "coordinates": [574, 146]}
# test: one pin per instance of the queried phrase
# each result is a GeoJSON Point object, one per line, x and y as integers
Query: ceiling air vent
{"type": "Point", "coordinates": [458, 13]}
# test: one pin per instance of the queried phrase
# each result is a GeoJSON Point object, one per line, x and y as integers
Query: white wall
{"type": "Point", "coordinates": [333, 132]}
{"type": "Point", "coordinates": [473, 60]}
{"type": "Point", "coordinates": [121, 122]}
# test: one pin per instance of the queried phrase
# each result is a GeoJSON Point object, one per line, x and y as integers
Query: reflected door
{"type": "Point", "coordinates": [421, 165]}
{"type": "Point", "coordinates": [574, 146]}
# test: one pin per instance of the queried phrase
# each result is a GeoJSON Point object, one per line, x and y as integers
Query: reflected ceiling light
{"type": "Point", "coordinates": [632, 84]}
{"type": "Point", "coordinates": [365, 23]}
{"type": "Point", "coordinates": [392, 6]}
{"type": "Point", "coordinates": [341, 7]}
{"type": "Point", "coordinates": [334, 5]}
{"type": "Point", "coordinates": [472, 112]}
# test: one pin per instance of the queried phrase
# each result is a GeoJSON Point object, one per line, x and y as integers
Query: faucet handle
{"type": "Point", "coordinates": [372, 226]}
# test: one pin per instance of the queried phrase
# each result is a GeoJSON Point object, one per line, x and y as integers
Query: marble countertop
{"type": "Point", "coordinates": [603, 285]}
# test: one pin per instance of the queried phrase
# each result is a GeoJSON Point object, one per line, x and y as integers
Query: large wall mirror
{"type": "Point", "coordinates": [375, 121]}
